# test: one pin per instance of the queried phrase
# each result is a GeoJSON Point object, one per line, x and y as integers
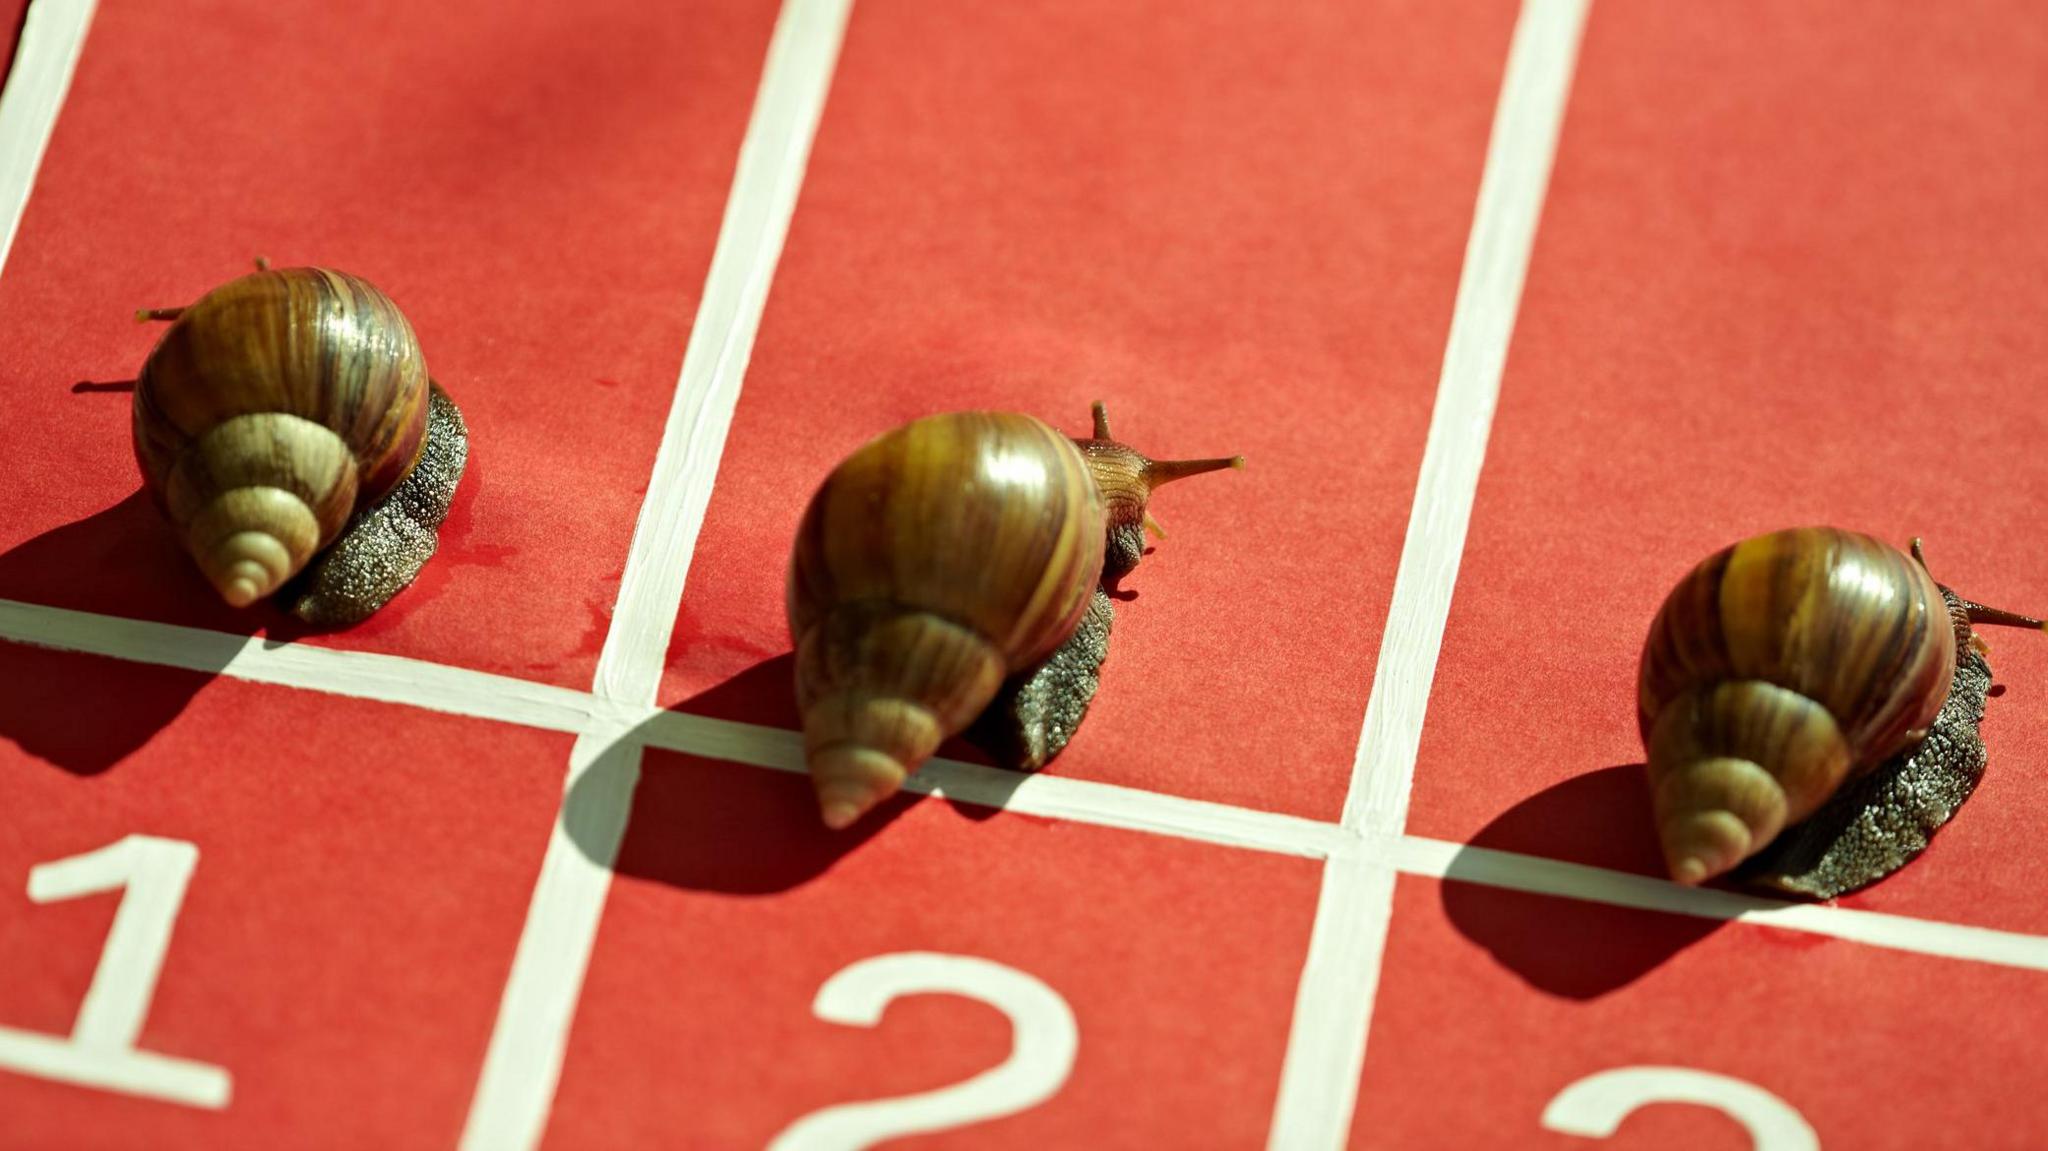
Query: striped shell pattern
{"type": "Point", "coordinates": [1777, 669]}
{"type": "Point", "coordinates": [934, 562]}
{"type": "Point", "coordinates": [269, 412]}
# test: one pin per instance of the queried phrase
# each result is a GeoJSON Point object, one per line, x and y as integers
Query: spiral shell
{"type": "Point", "coordinates": [933, 563]}
{"type": "Point", "coordinates": [1777, 669]}
{"type": "Point", "coordinates": [269, 412]}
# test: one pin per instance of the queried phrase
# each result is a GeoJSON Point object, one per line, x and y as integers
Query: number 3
{"type": "Point", "coordinates": [1596, 1105]}
{"type": "Point", "coordinates": [1041, 1054]}
{"type": "Point", "coordinates": [100, 1051]}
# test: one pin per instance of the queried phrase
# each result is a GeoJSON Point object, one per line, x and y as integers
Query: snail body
{"type": "Point", "coordinates": [1781, 669]}
{"type": "Point", "coordinates": [935, 563]}
{"type": "Point", "coordinates": [275, 410]}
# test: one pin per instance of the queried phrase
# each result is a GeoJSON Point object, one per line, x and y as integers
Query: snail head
{"type": "Point", "coordinates": [1975, 614]}
{"type": "Point", "coordinates": [1126, 479]}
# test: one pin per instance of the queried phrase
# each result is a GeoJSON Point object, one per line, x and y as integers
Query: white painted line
{"type": "Point", "coordinates": [1154, 813]}
{"type": "Point", "coordinates": [1045, 796]}
{"type": "Point", "coordinates": [359, 675]}
{"type": "Point", "coordinates": [1332, 1004]}
{"type": "Point", "coordinates": [1457, 862]}
{"type": "Point", "coordinates": [1326, 1052]}
{"type": "Point", "coordinates": [524, 1062]}
{"type": "Point", "coordinates": [480, 695]}
{"type": "Point", "coordinates": [1511, 191]}
{"type": "Point", "coordinates": [52, 37]}
{"type": "Point", "coordinates": [130, 1071]}
{"type": "Point", "coordinates": [523, 1065]}
{"type": "Point", "coordinates": [757, 214]}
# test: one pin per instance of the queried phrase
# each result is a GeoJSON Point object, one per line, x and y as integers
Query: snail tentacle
{"type": "Point", "coordinates": [1127, 479]}
{"type": "Point", "coordinates": [1979, 614]}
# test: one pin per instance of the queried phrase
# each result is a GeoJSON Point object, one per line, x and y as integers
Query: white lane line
{"type": "Point", "coordinates": [757, 214]}
{"type": "Point", "coordinates": [1045, 796]}
{"type": "Point", "coordinates": [481, 695]}
{"type": "Point", "coordinates": [1332, 1004]}
{"type": "Point", "coordinates": [524, 1062]}
{"type": "Point", "coordinates": [1415, 855]}
{"type": "Point", "coordinates": [1356, 881]}
{"type": "Point", "coordinates": [523, 1065]}
{"type": "Point", "coordinates": [52, 37]}
{"type": "Point", "coordinates": [624, 728]}
{"type": "Point", "coordinates": [358, 675]}
{"type": "Point", "coordinates": [1333, 1007]}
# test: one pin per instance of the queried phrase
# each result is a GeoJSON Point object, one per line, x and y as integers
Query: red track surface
{"type": "Point", "coordinates": [1789, 270]}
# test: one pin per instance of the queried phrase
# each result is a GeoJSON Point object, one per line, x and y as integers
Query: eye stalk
{"type": "Point", "coordinates": [1126, 479]}
{"type": "Point", "coordinates": [1976, 613]}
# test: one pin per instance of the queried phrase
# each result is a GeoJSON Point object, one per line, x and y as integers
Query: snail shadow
{"type": "Point", "coordinates": [85, 714]}
{"type": "Point", "coordinates": [1113, 585]}
{"type": "Point", "coordinates": [714, 825]}
{"type": "Point", "coordinates": [1571, 948]}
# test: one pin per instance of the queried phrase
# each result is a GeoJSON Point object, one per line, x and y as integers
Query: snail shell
{"type": "Point", "coordinates": [1777, 669]}
{"type": "Point", "coordinates": [937, 561]}
{"type": "Point", "coordinates": [269, 412]}
{"type": "Point", "coordinates": [1880, 821]}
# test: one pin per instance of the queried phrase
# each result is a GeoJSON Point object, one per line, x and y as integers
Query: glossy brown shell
{"type": "Point", "coordinates": [987, 519]}
{"type": "Point", "coordinates": [933, 563]}
{"type": "Point", "coordinates": [317, 344]}
{"type": "Point", "coordinates": [1843, 619]}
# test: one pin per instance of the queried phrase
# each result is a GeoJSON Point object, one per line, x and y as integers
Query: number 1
{"type": "Point", "coordinates": [100, 1051]}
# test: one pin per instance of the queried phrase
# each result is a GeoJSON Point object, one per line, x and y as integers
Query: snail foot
{"type": "Point", "coordinates": [1037, 711]}
{"type": "Point", "coordinates": [1878, 823]}
{"type": "Point", "coordinates": [386, 545]}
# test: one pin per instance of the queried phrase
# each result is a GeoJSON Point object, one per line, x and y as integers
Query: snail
{"type": "Point", "coordinates": [956, 557]}
{"type": "Point", "coordinates": [1809, 702]}
{"type": "Point", "coordinates": [286, 426]}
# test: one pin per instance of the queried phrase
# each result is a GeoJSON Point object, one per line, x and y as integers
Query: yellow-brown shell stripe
{"type": "Point", "coordinates": [987, 519]}
{"type": "Point", "coordinates": [322, 345]}
{"type": "Point", "coordinates": [1841, 618]}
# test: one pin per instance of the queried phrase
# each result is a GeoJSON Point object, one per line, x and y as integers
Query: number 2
{"type": "Point", "coordinates": [1041, 1054]}
{"type": "Point", "coordinates": [1596, 1105]}
{"type": "Point", "coordinates": [100, 1051]}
